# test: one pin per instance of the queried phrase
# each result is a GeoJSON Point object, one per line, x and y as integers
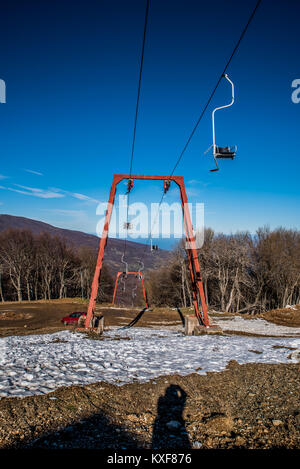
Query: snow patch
{"type": "Point", "coordinates": [256, 326]}
{"type": "Point", "coordinates": [39, 364]}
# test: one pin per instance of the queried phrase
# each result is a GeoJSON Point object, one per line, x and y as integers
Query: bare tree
{"type": "Point", "coordinates": [14, 245]}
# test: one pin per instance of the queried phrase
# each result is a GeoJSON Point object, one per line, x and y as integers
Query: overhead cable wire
{"type": "Point", "coordinates": [208, 102]}
{"type": "Point", "coordinates": [216, 86]}
{"type": "Point", "coordinates": [139, 87]}
{"type": "Point", "coordinates": [137, 110]}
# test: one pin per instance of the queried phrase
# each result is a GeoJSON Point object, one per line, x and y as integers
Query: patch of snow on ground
{"type": "Point", "coordinates": [38, 364]}
{"type": "Point", "coordinates": [256, 326]}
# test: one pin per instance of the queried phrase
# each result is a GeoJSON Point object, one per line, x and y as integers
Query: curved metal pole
{"type": "Point", "coordinates": [126, 264]}
{"type": "Point", "coordinates": [221, 107]}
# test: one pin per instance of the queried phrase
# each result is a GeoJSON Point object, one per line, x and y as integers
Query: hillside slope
{"type": "Point", "coordinates": [113, 251]}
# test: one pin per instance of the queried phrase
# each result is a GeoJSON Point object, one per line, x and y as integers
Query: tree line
{"type": "Point", "coordinates": [34, 267]}
{"type": "Point", "coordinates": [240, 272]}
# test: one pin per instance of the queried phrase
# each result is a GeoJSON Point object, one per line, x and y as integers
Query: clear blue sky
{"type": "Point", "coordinates": [71, 71]}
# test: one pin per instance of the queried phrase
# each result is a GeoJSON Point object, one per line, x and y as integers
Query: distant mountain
{"type": "Point", "coordinates": [113, 251]}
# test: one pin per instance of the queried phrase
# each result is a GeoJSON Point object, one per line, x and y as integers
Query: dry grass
{"type": "Point", "coordinates": [58, 301]}
{"type": "Point", "coordinates": [284, 316]}
{"type": "Point", "coordinates": [44, 316]}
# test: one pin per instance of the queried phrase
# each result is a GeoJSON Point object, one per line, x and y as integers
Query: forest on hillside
{"type": "Point", "coordinates": [34, 267]}
{"type": "Point", "coordinates": [240, 272]}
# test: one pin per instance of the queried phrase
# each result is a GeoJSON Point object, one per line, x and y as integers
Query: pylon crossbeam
{"type": "Point", "coordinates": [194, 266]}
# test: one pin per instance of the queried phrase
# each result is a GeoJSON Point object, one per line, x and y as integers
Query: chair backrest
{"type": "Point", "coordinates": [223, 149]}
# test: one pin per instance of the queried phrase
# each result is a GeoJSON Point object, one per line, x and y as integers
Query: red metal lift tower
{"type": "Point", "coordinates": [137, 274]}
{"type": "Point", "coordinates": [194, 266]}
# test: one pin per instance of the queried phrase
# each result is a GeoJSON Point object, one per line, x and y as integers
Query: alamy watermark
{"type": "Point", "coordinates": [165, 221]}
{"type": "Point", "coordinates": [296, 93]}
{"type": "Point", "coordinates": [2, 91]}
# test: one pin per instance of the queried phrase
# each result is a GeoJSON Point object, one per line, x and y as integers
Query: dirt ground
{"type": "Point", "coordinates": [36, 317]}
{"type": "Point", "coordinates": [245, 406]}
{"type": "Point", "coordinates": [43, 317]}
{"type": "Point", "coordinates": [284, 316]}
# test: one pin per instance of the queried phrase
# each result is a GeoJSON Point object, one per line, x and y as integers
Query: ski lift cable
{"type": "Point", "coordinates": [154, 221]}
{"type": "Point", "coordinates": [139, 87]}
{"type": "Point", "coordinates": [206, 106]}
{"type": "Point", "coordinates": [137, 111]}
{"type": "Point", "coordinates": [204, 109]}
{"type": "Point", "coordinates": [216, 86]}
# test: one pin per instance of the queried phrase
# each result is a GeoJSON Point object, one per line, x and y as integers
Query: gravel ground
{"type": "Point", "coordinates": [251, 406]}
{"type": "Point", "coordinates": [245, 406]}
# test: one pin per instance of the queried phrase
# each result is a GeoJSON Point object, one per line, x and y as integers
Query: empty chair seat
{"type": "Point", "coordinates": [225, 152]}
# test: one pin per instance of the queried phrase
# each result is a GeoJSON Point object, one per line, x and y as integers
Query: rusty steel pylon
{"type": "Point", "coordinates": [193, 261]}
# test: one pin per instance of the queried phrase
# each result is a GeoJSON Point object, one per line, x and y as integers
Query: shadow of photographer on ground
{"type": "Point", "coordinates": [169, 427]}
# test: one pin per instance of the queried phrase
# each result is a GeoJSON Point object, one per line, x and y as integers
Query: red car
{"type": "Point", "coordinates": [72, 318]}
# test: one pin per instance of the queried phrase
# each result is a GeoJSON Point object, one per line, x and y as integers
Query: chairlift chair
{"type": "Point", "coordinates": [124, 274]}
{"type": "Point", "coordinates": [167, 184]}
{"type": "Point", "coordinates": [141, 267]}
{"type": "Point", "coordinates": [123, 277]}
{"type": "Point", "coordinates": [138, 276]}
{"type": "Point", "coordinates": [153, 247]}
{"type": "Point", "coordinates": [222, 152]}
{"type": "Point", "coordinates": [133, 293]}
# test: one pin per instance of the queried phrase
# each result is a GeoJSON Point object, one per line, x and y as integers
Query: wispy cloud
{"type": "Point", "coordinates": [195, 187]}
{"type": "Point", "coordinates": [49, 193]}
{"type": "Point", "coordinates": [194, 182]}
{"type": "Point", "coordinates": [76, 195]}
{"type": "Point", "coordinates": [194, 192]}
{"type": "Point", "coordinates": [35, 192]}
{"type": "Point", "coordinates": [3, 177]}
{"type": "Point", "coordinates": [83, 197]}
{"type": "Point", "coordinates": [38, 173]}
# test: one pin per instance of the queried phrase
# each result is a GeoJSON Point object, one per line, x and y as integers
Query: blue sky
{"type": "Point", "coordinates": [71, 71]}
